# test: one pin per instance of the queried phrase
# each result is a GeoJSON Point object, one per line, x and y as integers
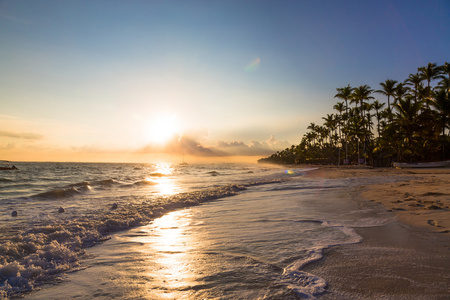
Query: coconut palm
{"type": "Point", "coordinates": [445, 69]}
{"type": "Point", "coordinates": [388, 89]}
{"type": "Point", "coordinates": [361, 94]}
{"type": "Point", "coordinates": [414, 80]}
{"type": "Point", "coordinates": [415, 125]}
{"type": "Point", "coordinates": [429, 73]}
{"type": "Point", "coordinates": [345, 94]}
{"type": "Point", "coordinates": [400, 92]}
{"type": "Point", "coordinates": [378, 106]}
{"type": "Point", "coordinates": [406, 121]}
{"type": "Point", "coordinates": [330, 125]}
{"type": "Point", "coordinates": [444, 84]}
{"type": "Point", "coordinates": [442, 105]}
{"type": "Point", "coordinates": [445, 77]}
{"type": "Point", "coordinates": [340, 108]}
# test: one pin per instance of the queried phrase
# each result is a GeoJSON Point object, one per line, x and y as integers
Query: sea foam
{"type": "Point", "coordinates": [36, 255]}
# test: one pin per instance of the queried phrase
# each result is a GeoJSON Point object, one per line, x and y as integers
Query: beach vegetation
{"type": "Point", "coordinates": [413, 126]}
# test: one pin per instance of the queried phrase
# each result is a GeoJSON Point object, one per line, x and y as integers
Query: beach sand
{"type": "Point", "coordinates": [422, 201]}
{"type": "Point", "coordinates": [406, 259]}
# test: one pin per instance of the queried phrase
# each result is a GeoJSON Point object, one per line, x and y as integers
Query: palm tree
{"type": "Point", "coordinates": [388, 89]}
{"type": "Point", "coordinates": [361, 94]}
{"type": "Point", "coordinates": [400, 92]}
{"type": "Point", "coordinates": [345, 94]}
{"type": "Point", "coordinates": [356, 130]}
{"type": "Point", "coordinates": [378, 106]}
{"type": "Point", "coordinates": [429, 73]}
{"type": "Point", "coordinates": [406, 122]}
{"type": "Point", "coordinates": [414, 80]}
{"type": "Point", "coordinates": [416, 125]}
{"type": "Point", "coordinates": [340, 108]}
{"type": "Point", "coordinates": [442, 105]}
{"type": "Point", "coordinates": [445, 82]}
{"type": "Point", "coordinates": [314, 131]}
{"type": "Point", "coordinates": [330, 124]}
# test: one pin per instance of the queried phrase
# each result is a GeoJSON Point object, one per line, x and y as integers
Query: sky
{"type": "Point", "coordinates": [143, 81]}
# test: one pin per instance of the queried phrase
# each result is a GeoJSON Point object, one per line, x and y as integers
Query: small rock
{"type": "Point", "coordinates": [114, 206]}
{"type": "Point", "coordinates": [433, 207]}
{"type": "Point", "coordinates": [61, 210]}
{"type": "Point", "coordinates": [434, 223]}
{"type": "Point", "coordinates": [14, 213]}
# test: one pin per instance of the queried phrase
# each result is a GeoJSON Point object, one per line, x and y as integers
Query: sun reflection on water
{"type": "Point", "coordinates": [163, 180]}
{"type": "Point", "coordinates": [171, 246]}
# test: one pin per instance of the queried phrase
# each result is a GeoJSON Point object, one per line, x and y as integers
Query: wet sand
{"type": "Point", "coordinates": [406, 259]}
{"type": "Point", "coordinates": [422, 201]}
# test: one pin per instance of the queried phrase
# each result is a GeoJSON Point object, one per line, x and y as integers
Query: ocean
{"type": "Point", "coordinates": [171, 231]}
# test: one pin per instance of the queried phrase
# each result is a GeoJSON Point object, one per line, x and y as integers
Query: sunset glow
{"type": "Point", "coordinates": [164, 128]}
{"type": "Point", "coordinates": [211, 80]}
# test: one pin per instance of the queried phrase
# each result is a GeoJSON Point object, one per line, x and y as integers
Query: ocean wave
{"type": "Point", "coordinates": [58, 193]}
{"type": "Point", "coordinates": [157, 174]}
{"type": "Point", "coordinates": [213, 173]}
{"type": "Point", "coordinates": [144, 183]}
{"type": "Point", "coordinates": [37, 255]}
{"type": "Point", "coordinates": [104, 183]}
{"type": "Point", "coordinates": [74, 189]}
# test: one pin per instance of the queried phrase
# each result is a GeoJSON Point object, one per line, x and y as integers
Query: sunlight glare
{"type": "Point", "coordinates": [162, 180]}
{"type": "Point", "coordinates": [163, 128]}
{"type": "Point", "coordinates": [166, 252]}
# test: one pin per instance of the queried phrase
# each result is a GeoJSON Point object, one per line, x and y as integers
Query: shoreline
{"type": "Point", "coordinates": [393, 261]}
{"type": "Point", "coordinates": [423, 200]}
{"type": "Point", "coordinates": [405, 259]}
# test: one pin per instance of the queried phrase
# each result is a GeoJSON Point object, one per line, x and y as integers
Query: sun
{"type": "Point", "coordinates": [163, 128]}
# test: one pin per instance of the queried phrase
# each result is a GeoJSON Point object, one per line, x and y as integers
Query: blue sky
{"type": "Point", "coordinates": [88, 79]}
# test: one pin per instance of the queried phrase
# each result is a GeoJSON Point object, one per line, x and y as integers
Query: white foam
{"type": "Point", "coordinates": [304, 284]}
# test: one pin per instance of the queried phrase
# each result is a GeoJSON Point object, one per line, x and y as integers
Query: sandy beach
{"type": "Point", "coordinates": [424, 200]}
{"type": "Point", "coordinates": [406, 259]}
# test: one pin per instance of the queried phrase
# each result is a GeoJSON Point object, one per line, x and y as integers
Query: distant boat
{"type": "Point", "coordinates": [435, 164]}
{"type": "Point", "coordinates": [183, 163]}
{"type": "Point", "coordinates": [6, 165]}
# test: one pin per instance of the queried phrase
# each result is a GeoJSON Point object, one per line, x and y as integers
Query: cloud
{"type": "Point", "coordinates": [189, 146]}
{"type": "Point", "coordinates": [253, 148]}
{"type": "Point", "coordinates": [182, 145]}
{"type": "Point", "coordinates": [21, 135]}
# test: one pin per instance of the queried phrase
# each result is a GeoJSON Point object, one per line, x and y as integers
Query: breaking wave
{"type": "Point", "coordinates": [76, 189]}
{"type": "Point", "coordinates": [37, 255]}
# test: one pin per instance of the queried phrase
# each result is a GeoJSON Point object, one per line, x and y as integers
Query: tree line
{"type": "Point", "coordinates": [412, 126]}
